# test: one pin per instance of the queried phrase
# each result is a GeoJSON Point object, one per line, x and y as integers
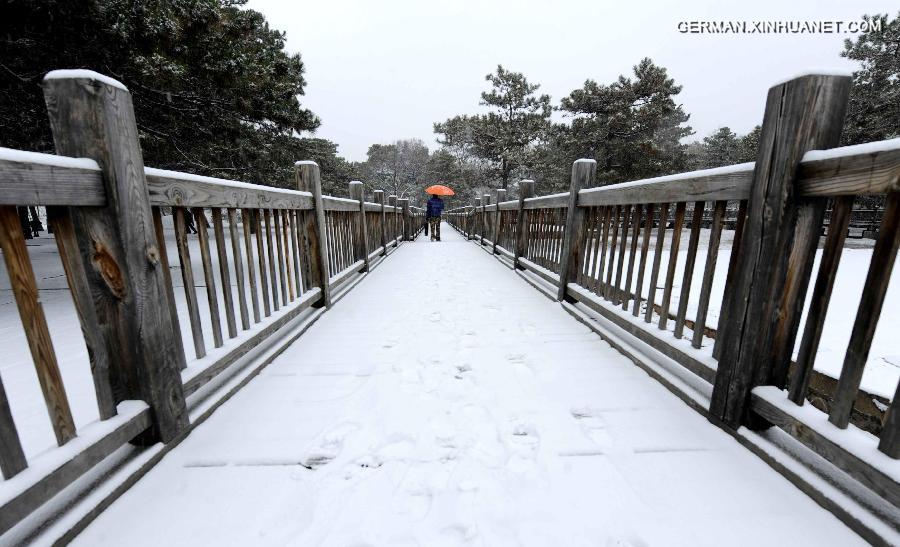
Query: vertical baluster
{"type": "Point", "coordinates": [709, 273]}
{"type": "Point", "coordinates": [604, 239]}
{"type": "Point", "coordinates": [620, 263]}
{"type": "Point", "coordinates": [730, 276]}
{"type": "Point", "coordinates": [870, 304]}
{"type": "Point", "coordinates": [53, 220]}
{"type": "Point", "coordinates": [208, 276]}
{"type": "Point", "coordinates": [636, 227]}
{"type": "Point", "coordinates": [645, 248]}
{"type": "Point", "coordinates": [34, 323]}
{"type": "Point", "coordinates": [270, 248]}
{"type": "Point", "coordinates": [614, 240]}
{"type": "Point", "coordinates": [224, 272]}
{"type": "Point", "coordinates": [657, 258]}
{"type": "Point", "coordinates": [187, 278]}
{"type": "Point", "coordinates": [288, 260]}
{"type": "Point", "coordinates": [279, 252]}
{"type": "Point", "coordinates": [263, 272]}
{"type": "Point", "coordinates": [693, 243]}
{"type": "Point", "coordinates": [673, 263]}
{"type": "Point", "coordinates": [238, 267]}
{"type": "Point", "coordinates": [295, 247]}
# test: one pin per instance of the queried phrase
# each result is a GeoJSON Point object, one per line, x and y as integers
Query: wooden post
{"type": "Point", "coordinates": [92, 116]}
{"type": "Point", "coordinates": [359, 227]}
{"type": "Point", "coordinates": [583, 173]}
{"type": "Point", "coordinates": [309, 180]}
{"type": "Point", "coordinates": [802, 114]}
{"type": "Point", "coordinates": [501, 197]}
{"type": "Point", "coordinates": [526, 190]}
{"type": "Point", "coordinates": [392, 201]}
{"type": "Point", "coordinates": [476, 210]}
{"type": "Point", "coordinates": [406, 221]}
{"type": "Point", "coordinates": [379, 199]}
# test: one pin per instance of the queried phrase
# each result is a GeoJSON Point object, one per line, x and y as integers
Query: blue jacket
{"type": "Point", "coordinates": [435, 207]}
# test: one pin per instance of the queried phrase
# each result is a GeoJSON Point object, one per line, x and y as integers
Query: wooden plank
{"type": "Point", "coordinates": [498, 219]}
{"type": "Point", "coordinates": [765, 402]}
{"type": "Point", "coordinates": [208, 276]}
{"type": "Point", "coordinates": [224, 272]}
{"type": "Point", "coordinates": [94, 119]}
{"type": "Point", "coordinates": [270, 254]}
{"type": "Point", "coordinates": [636, 228]}
{"type": "Point", "coordinates": [34, 323]}
{"type": "Point", "coordinates": [60, 223]}
{"type": "Point", "coordinates": [890, 432]}
{"type": "Point", "coordinates": [288, 262]}
{"type": "Point", "coordinates": [187, 190]}
{"type": "Point", "coordinates": [858, 171]}
{"type": "Point", "coordinates": [870, 304]}
{"type": "Point", "coordinates": [553, 201]}
{"type": "Point", "coordinates": [730, 277]}
{"type": "Point", "coordinates": [591, 278]}
{"type": "Point", "coordinates": [613, 243]}
{"type": "Point", "coordinates": [309, 179]}
{"type": "Point", "coordinates": [378, 196]}
{"type": "Point", "coordinates": [279, 246]}
{"type": "Point", "coordinates": [261, 255]}
{"type": "Point", "coordinates": [12, 458]}
{"type": "Point", "coordinates": [187, 280]}
{"type": "Point", "coordinates": [583, 173]}
{"type": "Point", "coordinates": [728, 183]}
{"type": "Point", "coordinates": [360, 225]}
{"type": "Point", "coordinates": [598, 277]}
{"type": "Point", "coordinates": [29, 183]}
{"type": "Point", "coordinates": [239, 267]}
{"type": "Point", "coordinates": [657, 258]}
{"type": "Point", "coordinates": [331, 203]}
{"type": "Point", "coordinates": [801, 114]}
{"type": "Point", "coordinates": [620, 262]}
{"type": "Point", "coordinates": [818, 309]}
{"type": "Point", "coordinates": [346, 273]}
{"type": "Point", "coordinates": [590, 225]}
{"type": "Point", "coordinates": [35, 490]}
{"type": "Point", "coordinates": [673, 260]}
{"type": "Point", "coordinates": [645, 247]}
{"type": "Point", "coordinates": [712, 254]}
{"type": "Point", "coordinates": [693, 244]}
{"type": "Point", "coordinates": [295, 248]}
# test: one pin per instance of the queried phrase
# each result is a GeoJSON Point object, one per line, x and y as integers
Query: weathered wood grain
{"type": "Point", "coordinates": [691, 259]}
{"type": "Point", "coordinates": [27, 183]}
{"type": "Point", "coordinates": [657, 259]}
{"type": "Point", "coordinates": [553, 201]}
{"type": "Point", "coordinates": [239, 267]}
{"type": "Point", "coordinates": [855, 174]}
{"type": "Point", "coordinates": [187, 279]}
{"type": "Point", "coordinates": [12, 458]}
{"type": "Point", "coordinates": [209, 277]}
{"type": "Point", "coordinates": [34, 323]}
{"type": "Point", "coordinates": [309, 179]}
{"type": "Point", "coordinates": [188, 190]}
{"type": "Point", "coordinates": [801, 114]}
{"type": "Point", "coordinates": [583, 173]}
{"type": "Point", "coordinates": [712, 254]}
{"type": "Point", "coordinates": [117, 244]}
{"type": "Point", "coordinates": [728, 183]}
{"type": "Point", "coordinates": [870, 305]}
{"type": "Point", "coordinates": [645, 248]}
{"type": "Point", "coordinates": [224, 272]}
{"type": "Point", "coordinates": [261, 255]}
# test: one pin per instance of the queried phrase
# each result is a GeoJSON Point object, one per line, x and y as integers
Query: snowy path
{"type": "Point", "coordinates": [446, 402]}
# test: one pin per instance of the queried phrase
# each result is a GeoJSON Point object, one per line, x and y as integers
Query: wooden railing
{"type": "Point", "coordinates": [271, 261]}
{"type": "Point", "coordinates": [612, 255]}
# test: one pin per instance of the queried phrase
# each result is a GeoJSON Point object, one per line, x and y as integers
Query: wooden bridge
{"type": "Point", "coordinates": [439, 341]}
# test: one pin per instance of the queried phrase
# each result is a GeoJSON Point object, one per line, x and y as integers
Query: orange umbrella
{"type": "Point", "coordinates": [439, 190]}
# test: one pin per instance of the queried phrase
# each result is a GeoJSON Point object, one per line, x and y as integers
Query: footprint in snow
{"type": "Point", "coordinates": [592, 425]}
{"type": "Point", "coordinates": [328, 446]}
{"type": "Point", "coordinates": [435, 317]}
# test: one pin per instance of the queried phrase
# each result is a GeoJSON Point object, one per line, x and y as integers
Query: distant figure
{"type": "Point", "coordinates": [435, 208]}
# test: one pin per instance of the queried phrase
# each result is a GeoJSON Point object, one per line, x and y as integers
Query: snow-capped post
{"type": "Point", "coordinates": [309, 180]}
{"type": "Point", "coordinates": [475, 219]}
{"type": "Point", "coordinates": [583, 173]}
{"type": "Point", "coordinates": [406, 221]}
{"type": "Point", "coordinates": [361, 242]}
{"type": "Point", "coordinates": [501, 197]}
{"type": "Point", "coordinates": [485, 221]}
{"type": "Point", "coordinates": [526, 190]}
{"type": "Point", "coordinates": [778, 245]}
{"type": "Point", "coordinates": [91, 116]}
{"type": "Point", "coordinates": [392, 201]}
{"type": "Point", "coordinates": [378, 196]}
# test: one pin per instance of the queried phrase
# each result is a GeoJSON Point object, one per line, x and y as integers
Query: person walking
{"type": "Point", "coordinates": [433, 213]}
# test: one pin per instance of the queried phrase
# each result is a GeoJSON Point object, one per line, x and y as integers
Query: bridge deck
{"type": "Point", "coordinates": [457, 405]}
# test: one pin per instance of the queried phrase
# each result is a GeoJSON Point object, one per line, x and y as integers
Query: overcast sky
{"type": "Point", "coordinates": [378, 71]}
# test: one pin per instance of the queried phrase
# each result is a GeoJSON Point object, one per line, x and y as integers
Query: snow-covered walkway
{"type": "Point", "coordinates": [446, 402]}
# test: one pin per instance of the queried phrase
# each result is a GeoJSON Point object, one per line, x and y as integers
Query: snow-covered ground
{"type": "Point", "coordinates": [446, 402]}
